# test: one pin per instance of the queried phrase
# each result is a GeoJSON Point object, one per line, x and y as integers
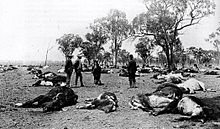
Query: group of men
{"type": "Point", "coordinates": [69, 70]}
{"type": "Point", "coordinates": [131, 67]}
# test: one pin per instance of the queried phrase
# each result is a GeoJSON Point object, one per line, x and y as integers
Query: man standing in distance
{"type": "Point", "coordinates": [68, 69]}
{"type": "Point", "coordinates": [132, 68]}
{"type": "Point", "coordinates": [78, 70]}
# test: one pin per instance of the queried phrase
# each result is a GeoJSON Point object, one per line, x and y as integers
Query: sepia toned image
{"type": "Point", "coordinates": [109, 64]}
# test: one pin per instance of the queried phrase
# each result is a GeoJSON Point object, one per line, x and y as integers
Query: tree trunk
{"type": "Point", "coordinates": [116, 52]}
{"type": "Point", "coordinates": [116, 57]}
{"type": "Point", "coordinates": [173, 67]}
{"type": "Point", "coordinates": [45, 63]}
{"type": "Point", "coordinates": [166, 50]}
{"type": "Point", "coordinates": [218, 55]}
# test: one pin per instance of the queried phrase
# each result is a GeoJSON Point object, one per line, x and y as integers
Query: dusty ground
{"type": "Point", "coordinates": [15, 86]}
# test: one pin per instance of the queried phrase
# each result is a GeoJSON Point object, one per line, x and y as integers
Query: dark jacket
{"type": "Point", "coordinates": [132, 67]}
{"type": "Point", "coordinates": [78, 65]}
{"type": "Point", "coordinates": [69, 66]}
{"type": "Point", "coordinates": [96, 70]}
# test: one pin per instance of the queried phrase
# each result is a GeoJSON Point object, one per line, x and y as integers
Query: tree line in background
{"type": "Point", "coordinates": [160, 25]}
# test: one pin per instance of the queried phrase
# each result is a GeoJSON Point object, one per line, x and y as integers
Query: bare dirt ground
{"type": "Point", "coordinates": [15, 86]}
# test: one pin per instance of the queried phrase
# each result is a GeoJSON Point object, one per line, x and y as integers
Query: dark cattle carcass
{"type": "Point", "coordinates": [194, 108]}
{"type": "Point", "coordinates": [35, 71]}
{"type": "Point", "coordinates": [58, 80]}
{"type": "Point", "coordinates": [211, 73]}
{"type": "Point", "coordinates": [46, 75]}
{"type": "Point", "coordinates": [163, 100]}
{"type": "Point", "coordinates": [54, 100]}
{"type": "Point", "coordinates": [106, 101]}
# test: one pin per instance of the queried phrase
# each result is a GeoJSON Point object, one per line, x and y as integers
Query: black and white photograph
{"type": "Point", "coordinates": [109, 64]}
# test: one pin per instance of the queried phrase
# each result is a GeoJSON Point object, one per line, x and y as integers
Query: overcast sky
{"type": "Point", "coordinates": [29, 27]}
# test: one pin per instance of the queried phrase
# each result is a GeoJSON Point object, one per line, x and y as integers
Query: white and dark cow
{"type": "Point", "coordinates": [163, 100]}
{"type": "Point", "coordinates": [54, 100]}
{"type": "Point", "coordinates": [191, 85]}
{"type": "Point", "coordinates": [171, 78]}
{"type": "Point", "coordinates": [46, 75]}
{"type": "Point", "coordinates": [193, 108]}
{"type": "Point", "coordinates": [106, 101]}
{"type": "Point", "coordinates": [57, 80]}
{"type": "Point", "coordinates": [34, 71]}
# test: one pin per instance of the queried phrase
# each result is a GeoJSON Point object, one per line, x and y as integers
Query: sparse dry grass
{"type": "Point", "coordinates": [15, 86]}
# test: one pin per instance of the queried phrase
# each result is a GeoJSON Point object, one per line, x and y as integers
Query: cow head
{"type": "Point", "coordinates": [140, 101]}
{"type": "Point", "coordinates": [55, 105]}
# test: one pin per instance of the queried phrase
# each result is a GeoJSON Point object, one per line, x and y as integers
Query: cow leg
{"type": "Point", "coordinates": [90, 104]}
{"type": "Point", "coordinates": [170, 108]}
{"type": "Point", "coordinates": [141, 103]}
{"type": "Point", "coordinates": [37, 83]}
{"type": "Point", "coordinates": [107, 108]}
{"type": "Point", "coordinates": [89, 100]}
{"type": "Point", "coordinates": [40, 99]}
{"type": "Point", "coordinates": [160, 81]}
{"type": "Point", "coordinates": [87, 106]}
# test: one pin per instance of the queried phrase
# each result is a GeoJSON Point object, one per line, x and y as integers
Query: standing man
{"type": "Point", "coordinates": [96, 71]}
{"type": "Point", "coordinates": [68, 69]}
{"type": "Point", "coordinates": [78, 70]}
{"type": "Point", "coordinates": [132, 68]}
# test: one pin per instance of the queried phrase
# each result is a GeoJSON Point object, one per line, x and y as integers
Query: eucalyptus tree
{"type": "Point", "coordinates": [68, 42]}
{"type": "Point", "coordinates": [123, 56]}
{"type": "Point", "coordinates": [214, 39]}
{"type": "Point", "coordinates": [165, 19]}
{"type": "Point", "coordinates": [117, 28]}
{"type": "Point", "coordinates": [144, 48]}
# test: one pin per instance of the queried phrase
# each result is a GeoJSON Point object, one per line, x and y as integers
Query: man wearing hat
{"type": "Point", "coordinates": [78, 70]}
{"type": "Point", "coordinates": [68, 69]}
{"type": "Point", "coordinates": [132, 68]}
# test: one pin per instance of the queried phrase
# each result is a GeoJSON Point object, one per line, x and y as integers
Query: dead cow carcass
{"type": "Point", "coordinates": [57, 80]}
{"type": "Point", "coordinates": [171, 78]}
{"type": "Point", "coordinates": [191, 85]}
{"type": "Point", "coordinates": [163, 100]}
{"type": "Point", "coordinates": [46, 75]}
{"type": "Point", "coordinates": [54, 100]}
{"type": "Point", "coordinates": [194, 108]}
{"type": "Point", "coordinates": [106, 101]}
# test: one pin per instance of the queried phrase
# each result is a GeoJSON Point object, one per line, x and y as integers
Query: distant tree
{"type": "Point", "coordinates": [95, 40]}
{"type": "Point", "coordinates": [88, 50]}
{"type": "Point", "coordinates": [214, 39]}
{"type": "Point", "coordinates": [48, 49]}
{"type": "Point", "coordinates": [207, 56]}
{"type": "Point", "coordinates": [144, 48]}
{"type": "Point", "coordinates": [68, 42]}
{"type": "Point", "coordinates": [98, 37]}
{"type": "Point", "coordinates": [164, 20]}
{"type": "Point", "coordinates": [162, 58]}
{"type": "Point", "coordinates": [183, 58]}
{"type": "Point", "coordinates": [117, 28]}
{"type": "Point", "coordinates": [123, 56]}
{"type": "Point", "coordinates": [197, 53]}
{"type": "Point", "coordinates": [100, 58]}
{"type": "Point", "coordinates": [178, 51]}
{"type": "Point", "coordinates": [107, 57]}
{"type": "Point", "coordinates": [215, 56]}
